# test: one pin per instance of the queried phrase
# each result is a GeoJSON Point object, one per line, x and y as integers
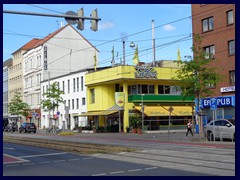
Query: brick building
{"type": "Point", "coordinates": [216, 24]}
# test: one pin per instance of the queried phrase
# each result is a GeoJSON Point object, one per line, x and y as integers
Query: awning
{"type": "Point", "coordinates": [98, 113]}
{"type": "Point", "coordinates": [163, 110]}
{"type": "Point", "coordinates": [181, 110]}
{"type": "Point", "coordinates": [153, 110]}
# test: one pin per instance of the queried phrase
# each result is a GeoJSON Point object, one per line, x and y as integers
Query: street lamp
{"type": "Point", "coordinates": [142, 112]}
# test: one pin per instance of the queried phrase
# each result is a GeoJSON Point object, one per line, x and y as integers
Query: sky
{"type": "Point", "coordinates": [128, 22]}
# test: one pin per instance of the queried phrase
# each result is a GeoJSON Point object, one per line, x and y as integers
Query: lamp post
{"type": "Point", "coordinates": [142, 112]}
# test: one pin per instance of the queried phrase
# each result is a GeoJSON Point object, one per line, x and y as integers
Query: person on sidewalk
{"type": "Point", "coordinates": [189, 127]}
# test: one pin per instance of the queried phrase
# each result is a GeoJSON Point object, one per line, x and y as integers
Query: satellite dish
{"type": "Point", "coordinates": [70, 20]}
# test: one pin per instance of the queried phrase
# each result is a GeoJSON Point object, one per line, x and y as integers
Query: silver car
{"type": "Point", "coordinates": [224, 129]}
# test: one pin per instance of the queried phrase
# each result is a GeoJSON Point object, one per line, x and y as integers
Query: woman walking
{"type": "Point", "coordinates": [189, 127]}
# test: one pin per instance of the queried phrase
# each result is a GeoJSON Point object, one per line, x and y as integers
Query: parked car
{"type": "Point", "coordinates": [27, 127]}
{"type": "Point", "coordinates": [224, 129]}
{"type": "Point", "coordinates": [7, 128]}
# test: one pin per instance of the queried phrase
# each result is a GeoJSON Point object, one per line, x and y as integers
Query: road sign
{"type": "Point", "coordinates": [213, 103]}
{"type": "Point", "coordinates": [58, 113]}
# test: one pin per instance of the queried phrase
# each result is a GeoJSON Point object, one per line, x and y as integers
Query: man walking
{"type": "Point", "coordinates": [189, 127]}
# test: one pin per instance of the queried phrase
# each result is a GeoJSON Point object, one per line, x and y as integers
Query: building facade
{"type": "Point", "coordinates": [216, 24]}
{"type": "Point", "coordinates": [118, 94]}
{"type": "Point", "coordinates": [61, 52]}
{"type": "Point", "coordinates": [73, 86]}
{"type": "Point", "coordinates": [6, 65]}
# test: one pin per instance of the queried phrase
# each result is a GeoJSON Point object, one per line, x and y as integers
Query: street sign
{"type": "Point", "coordinates": [213, 103]}
{"type": "Point", "coordinates": [58, 113]}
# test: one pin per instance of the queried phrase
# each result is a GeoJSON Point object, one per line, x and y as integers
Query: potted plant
{"type": "Point", "coordinates": [134, 123]}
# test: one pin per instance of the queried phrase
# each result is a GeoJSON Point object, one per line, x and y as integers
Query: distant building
{"type": "Point", "coordinates": [6, 65]}
{"type": "Point", "coordinates": [61, 52]}
{"type": "Point", "coordinates": [216, 24]}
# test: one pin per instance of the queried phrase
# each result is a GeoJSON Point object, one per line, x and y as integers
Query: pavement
{"type": "Point", "coordinates": [163, 136]}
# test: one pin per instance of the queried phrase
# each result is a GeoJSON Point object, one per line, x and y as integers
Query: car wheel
{"type": "Point", "coordinates": [34, 131]}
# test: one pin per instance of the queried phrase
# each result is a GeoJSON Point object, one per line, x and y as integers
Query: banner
{"type": "Point", "coordinates": [119, 99]}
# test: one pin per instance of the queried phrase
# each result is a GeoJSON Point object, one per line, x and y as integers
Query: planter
{"type": "Point", "coordinates": [139, 131]}
{"type": "Point", "coordinates": [134, 130]}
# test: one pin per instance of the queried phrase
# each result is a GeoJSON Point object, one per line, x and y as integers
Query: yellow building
{"type": "Point", "coordinates": [151, 88]}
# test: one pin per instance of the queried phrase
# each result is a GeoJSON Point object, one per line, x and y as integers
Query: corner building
{"type": "Point", "coordinates": [216, 24]}
{"type": "Point", "coordinates": [139, 86]}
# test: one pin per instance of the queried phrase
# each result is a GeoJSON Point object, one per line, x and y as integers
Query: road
{"type": "Point", "coordinates": [155, 157]}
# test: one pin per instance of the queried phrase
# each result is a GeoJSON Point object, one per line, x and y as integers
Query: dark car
{"type": "Point", "coordinates": [27, 127]}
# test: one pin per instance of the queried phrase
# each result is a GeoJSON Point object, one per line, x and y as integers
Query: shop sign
{"type": "Point", "coordinates": [221, 101]}
{"type": "Point", "coordinates": [228, 89]}
{"type": "Point", "coordinates": [45, 57]}
{"type": "Point", "coordinates": [119, 99]}
{"type": "Point", "coordinates": [145, 72]}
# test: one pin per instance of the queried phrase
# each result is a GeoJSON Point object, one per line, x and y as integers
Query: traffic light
{"type": "Point", "coordinates": [94, 23]}
{"type": "Point", "coordinates": [80, 20]}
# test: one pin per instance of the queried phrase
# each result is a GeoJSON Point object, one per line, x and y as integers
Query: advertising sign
{"type": "Point", "coordinates": [119, 99]}
{"type": "Point", "coordinates": [221, 101]}
{"type": "Point", "coordinates": [145, 72]}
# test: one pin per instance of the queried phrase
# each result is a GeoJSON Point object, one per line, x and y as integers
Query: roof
{"type": "Point", "coordinates": [28, 45]}
{"type": "Point", "coordinates": [7, 62]}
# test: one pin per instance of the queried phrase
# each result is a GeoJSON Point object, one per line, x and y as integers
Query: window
{"type": "Point", "coordinates": [43, 91]}
{"type": "Point", "coordinates": [141, 89]}
{"type": "Point", "coordinates": [81, 83]}
{"type": "Point", "coordinates": [77, 103]}
{"type": "Point", "coordinates": [83, 101]}
{"type": "Point", "coordinates": [169, 89]}
{"type": "Point", "coordinates": [74, 86]}
{"type": "Point", "coordinates": [231, 47]}
{"type": "Point", "coordinates": [77, 84]}
{"type": "Point", "coordinates": [68, 86]}
{"type": "Point", "coordinates": [72, 103]}
{"type": "Point", "coordinates": [232, 77]}
{"type": "Point", "coordinates": [210, 52]}
{"type": "Point", "coordinates": [69, 104]}
{"type": "Point", "coordinates": [207, 24]}
{"type": "Point", "coordinates": [92, 96]}
{"type": "Point", "coordinates": [63, 87]}
{"type": "Point", "coordinates": [230, 17]}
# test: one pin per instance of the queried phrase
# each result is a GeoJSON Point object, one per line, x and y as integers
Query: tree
{"type": "Point", "coordinates": [53, 98]}
{"type": "Point", "coordinates": [18, 107]}
{"type": "Point", "coordinates": [195, 77]}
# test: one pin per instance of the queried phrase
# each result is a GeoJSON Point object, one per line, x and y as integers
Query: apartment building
{"type": "Point", "coordinates": [216, 24]}
{"type": "Point", "coordinates": [6, 65]}
{"type": "Point", "coordinates": [61, 52]}
{"type": "Point", "coordinates": [73, 86]}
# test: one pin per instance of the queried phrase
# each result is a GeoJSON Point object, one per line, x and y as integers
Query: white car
{"type": "Point", "coordinates": [223, 128]}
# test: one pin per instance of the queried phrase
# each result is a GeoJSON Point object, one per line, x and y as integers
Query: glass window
{"type": "Point", "coordinates": [92, 96]}
{"type": "Point", "coordinates": [230, 17]}
{"type": "Point", "coordinates": [81, 83]}
{"type": "Point", "coordinates": [231, 47]}
{"type": "Point", "coordinates": [74, 85]}
{"type": "Point", "coordinates": [210, 52]}
{"type": "Point", "coordinates": [134, 89]}
{"type": "Point", "coordinates": [232, 77]}
{"type": "Point", "coordinates": [68, 86]}
{"type": "Point", "coordinates": [63, 88]}
{"type": "Point", "coordinates": [160, 89]}
{"type": "Point", "coordinates": [83, 101]}
{"type": "Point", "coordinates": [72, 103]}
{"type": "Point", "coordinates": [77, 84]}
{"type": "Point", "coordinates": [167, 90]}
{"type": "Point", "coordinates": [77, 103]}
{"type": "Point", "coordinates": [207, 24]}
{"type": "Point", "coordinates": [151, 89]}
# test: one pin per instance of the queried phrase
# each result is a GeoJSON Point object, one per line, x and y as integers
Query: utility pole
{"type": "Point", "coordinates": [153, 44]}
{"type": "Point", "coordinates": [123, 52]}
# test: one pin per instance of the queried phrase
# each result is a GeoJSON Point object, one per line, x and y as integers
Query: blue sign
{"type": "Point", "coordinates": [213, 103]}
{"type": "Point", "coordinates": [221, 101]}
{"type": "Point", "coordinates": [58, 113]}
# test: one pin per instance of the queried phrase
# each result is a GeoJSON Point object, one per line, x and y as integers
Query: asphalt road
{"type": "Point", "coordinates": [34, 161]}
{"type": "Point", "coordinates": [157, 155]}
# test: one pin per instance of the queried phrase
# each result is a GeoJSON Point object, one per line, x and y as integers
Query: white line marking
{"type": "Point", "coordinates": [102, 174]}
{"type": "Point", "coordinates": [12, 165]}
{"type": "Point", "coordinates": [39, 155]}
{"type": "Point", "coordinates": [132, 170]}
{"type": "Point", "coordinates": [59, 161]}
{"type": "Point", "coordinates": [29, 164]}
{"type": "Point", "coordinates": [9, 148]}
{"type": "Point", "coordinates": [44, 162]}
{"type": "Point", "coordinates": [73, 159]}
{"type": "Point", "coordinates": [88, 158]}
{"type": "Point", "coordinates": [150, 168]}
{"type": "Point", "coordinates": [117, 172]}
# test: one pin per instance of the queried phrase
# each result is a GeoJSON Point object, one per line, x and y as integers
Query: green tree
{"type": "Point", "coordinates": [18, 107]}
{"type": "Point", "coordinates": [195, 76]}
{"type": "Point", "coordinates": [53, 98]}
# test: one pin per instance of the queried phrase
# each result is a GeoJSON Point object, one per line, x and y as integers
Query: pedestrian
{"type": "Point", "coordinates": [189, 127]}
{"type": "Point", "coordinates": [10, 127]}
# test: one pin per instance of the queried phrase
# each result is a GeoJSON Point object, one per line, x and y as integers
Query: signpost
{"type": "Point", "coordinates": [170, 110]}
{"type": "Point", "coordinates": [213, 107]}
